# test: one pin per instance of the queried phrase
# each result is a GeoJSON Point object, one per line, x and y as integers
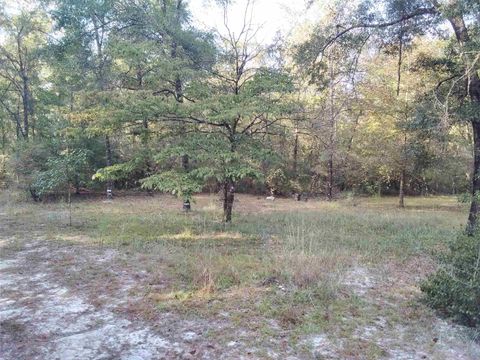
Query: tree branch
{"type": "Point", "coordinates": [416, 13]}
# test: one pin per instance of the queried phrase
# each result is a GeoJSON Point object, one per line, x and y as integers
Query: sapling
{"type": "Point", "coordinates": [61, 175]}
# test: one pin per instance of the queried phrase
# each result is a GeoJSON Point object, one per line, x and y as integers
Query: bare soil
{"type": "Point", "coordinates": [72, 300]}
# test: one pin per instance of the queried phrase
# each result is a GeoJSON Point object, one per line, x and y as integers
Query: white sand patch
{"type": "Point", "coordinates": [409, 340]}
{"type": "Point", "coordinates": [189, 336]}
{"type": "Point", "coordinates": [360, 280]}
{"type": "Point", "coordinates": [322, 347]}
{"type": "Point", "coordinates": [7, 264]}
{"type": "Point", "coordinates": [75, 329]}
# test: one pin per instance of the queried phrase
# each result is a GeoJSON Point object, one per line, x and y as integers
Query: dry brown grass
{"type": "Point", "coordinates": [281, 261]}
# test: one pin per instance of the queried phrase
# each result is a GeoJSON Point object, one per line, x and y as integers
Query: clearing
{"type": "Point", "coordinates": [138, 279]}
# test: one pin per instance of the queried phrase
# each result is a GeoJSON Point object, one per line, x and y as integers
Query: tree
{"type": "Point", "coordinates": [86, 28]}
{"type": "Point", "coordinates": [399, 18]}
{"type": "Point", "coordinates": [61, 174]}
{"type": "Point", "coordinates": [20, 61]}
{"type": "Point", "coordinates": [233, 110]}
{"type": "Point", "coordinates": [395, 139]}
{"type": "Point", "coordinates": [335, 110]}
{"type": "Point", "coordinates": [155, 53]}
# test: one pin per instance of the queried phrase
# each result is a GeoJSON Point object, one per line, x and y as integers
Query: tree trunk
{"type": "Point", "coordinates": [179, 94]}
{"type": "Point", "coordinates": [145, 134]}
{"type": "Point", "coordinates": [474, 206]}
{"type": "Point", "coordinates": [178, 80]}
{"type": "Point", "coordinates": [330, 179]}
{"type": "Point", "coordinates": [401, 192]}
{"type": "Point", "coordinates": [295, 154]}
{"type": "Point", "coordinates": [185, 162]}
{"type": "Point", "coordinates": [228, 197]}
{"type": "Point", "coordinates": [69, 205]}
{"type": "Point", "coordinates": [109, 162]}
{"type": "Point", "coordinates": [179, 98]}
{"type": "Point", "coordinates": [473, 90]}
{"type": "Point", "coordinates": [333, 131]}
{"type": "Point", "coordinates": [27, 106]}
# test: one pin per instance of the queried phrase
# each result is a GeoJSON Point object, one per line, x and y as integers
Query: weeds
{"type": "Point", "coordinates": [285, 261]}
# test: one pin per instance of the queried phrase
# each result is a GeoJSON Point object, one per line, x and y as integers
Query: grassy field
{"type": "Point", "coordinates": [336, 280]}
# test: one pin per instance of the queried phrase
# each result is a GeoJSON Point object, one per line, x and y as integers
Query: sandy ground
{"type": "Point", "coordinates": [61, 300]}
{"type": "Point", "coordinates": [41, 317]}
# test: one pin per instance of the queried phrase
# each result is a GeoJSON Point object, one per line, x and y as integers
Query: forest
{"type": "Point", "coordinates": [173, 161]}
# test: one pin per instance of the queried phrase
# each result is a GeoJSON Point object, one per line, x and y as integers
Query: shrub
{"type": "Point", "coordinates": [277, 182]}
{"type": "Point", "coordinates": [455, 288]}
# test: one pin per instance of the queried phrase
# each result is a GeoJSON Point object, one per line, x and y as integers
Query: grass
{"type": "Point", "coordinates": [302, 243]}
{"type": "Point", "coordinates": [283, 260]}
{"type": "Point", "coordinates": [301, 247]}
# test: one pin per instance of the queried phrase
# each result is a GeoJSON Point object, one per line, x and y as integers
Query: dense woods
{"type": "Point", "coordinates": [367, 99]}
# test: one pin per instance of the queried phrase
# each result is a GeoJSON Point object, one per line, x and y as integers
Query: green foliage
{"type": "Point", "coordinates": [61, 172]}
{"type": "Point", "coordinates": [296, 186]}
{"type": "Point", "coordinates": [277, 181]}
{"type": "Point", "coordinates": [455, 288]}
{"type": "Point", "coordinates": [21, 51]}
{"type": "Point", "coordinates": [121, 171]}
{"type": "Point", "coordinates": [213, 161]}
{"type": "Point", "coordinates": [465, 197]}
{"type": "Point", "coordinates": [179, 184]}
{"type": "Point", "coordinates": [30, 158]}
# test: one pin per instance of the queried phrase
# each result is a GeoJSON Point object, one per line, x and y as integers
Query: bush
{"type": "Point", "coordinates": [455, 288]}
{"type": "Point", "coordinates": [277, 182]}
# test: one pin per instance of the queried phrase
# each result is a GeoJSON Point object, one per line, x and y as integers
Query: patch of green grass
{"type": "Point", "coordinates": [301, 249]}
{"type": "Point", "coordinates": [332, 228]}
